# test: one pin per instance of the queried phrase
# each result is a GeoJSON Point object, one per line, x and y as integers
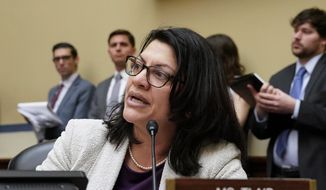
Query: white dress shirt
{"type": "Point", "coordinates": [123, 84]}
{"type": "Point", "coordinates": [66, 85]}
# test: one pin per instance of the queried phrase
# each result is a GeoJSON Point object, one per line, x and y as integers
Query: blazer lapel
{"type": "Point", "coordinates": [104, 94]}
{"type": "Point", "coordinates": [72, 89]}
{"type": "Point", "coordinates": [318, 71]}
{"type": "Point", "coordinates": [285, 85]}
{"type": "Point", "coordinates": [107, 168]}
{"type": "Point", "coordinates": [52, 93]}
{"type": "Point", "coordinates": [167, 173]}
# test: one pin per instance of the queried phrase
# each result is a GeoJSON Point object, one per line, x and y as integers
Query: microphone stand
{"type": "Point", "coordinates": [152, 128]}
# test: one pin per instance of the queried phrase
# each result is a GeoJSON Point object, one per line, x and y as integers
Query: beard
{"type": "Point", "coordinates": [302, 52]}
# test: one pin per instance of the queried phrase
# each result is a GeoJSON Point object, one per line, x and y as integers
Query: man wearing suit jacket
{"type": "Point", "coordinates": [121, 43]}
{"type": "Point", "coordinates": [72, 97]}
{"type": "Point", "coordinates": [297, 126]}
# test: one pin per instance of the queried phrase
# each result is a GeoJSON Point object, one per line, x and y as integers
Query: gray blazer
{"type": "Point", "coordinates": [84, 146]}
{"type": "Point", "coordinates": [98, 105]}
{"type": "Point", "coordinates": [75, 104]}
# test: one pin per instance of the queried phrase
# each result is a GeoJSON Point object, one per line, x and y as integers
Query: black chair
{"type": "Point", "coordinates": [31, 157]}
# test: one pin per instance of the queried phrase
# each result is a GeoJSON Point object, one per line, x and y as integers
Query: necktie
{"type": "Point", "coordinates": [114, 99]}
{"type": "Point", "coordinates": [56, 95]}
{"type": "Point", "coordinates": [295, 93]}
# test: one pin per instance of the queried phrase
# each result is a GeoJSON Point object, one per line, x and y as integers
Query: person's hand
{"type": "Point", "coordinates": [272, 100]}
{"type": "Point", "coordinates": [259, 110]}
{"type": "Point", "coordinates": [278, 102]}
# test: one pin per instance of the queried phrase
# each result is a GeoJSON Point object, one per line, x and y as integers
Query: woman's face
{"type": "Point", "coordinates": [144, 102]}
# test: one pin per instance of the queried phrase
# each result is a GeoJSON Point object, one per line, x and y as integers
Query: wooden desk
{"type": "Point", "coordinates": [256, 166]}
{"type": "Point", "coordinates": [4, 163]}
{"type": "Point", "coordinates": [232, 184]}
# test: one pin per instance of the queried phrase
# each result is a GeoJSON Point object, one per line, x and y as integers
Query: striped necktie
{"type": "Point", "coordinates": [56, 95]}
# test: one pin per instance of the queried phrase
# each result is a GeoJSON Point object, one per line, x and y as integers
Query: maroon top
{"type": "Point", "coordinates": [131, 180]}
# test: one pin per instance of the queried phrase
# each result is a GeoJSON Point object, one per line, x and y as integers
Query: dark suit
{"type": "Point", "coordinates": [310, 123]}
{"type": "Point", "coordinates": [98, 105]}
{"type": "Point", "coordinates": [75, 104]}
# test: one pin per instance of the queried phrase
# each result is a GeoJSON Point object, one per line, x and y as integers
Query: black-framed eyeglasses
{"type": "Point", "coordinates": [64, 58]}
{"type": "Point", "coordinates": [154, 75]}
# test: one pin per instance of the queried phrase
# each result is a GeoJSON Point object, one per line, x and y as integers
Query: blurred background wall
{"type": "Point", "coordinates": [29, 29]}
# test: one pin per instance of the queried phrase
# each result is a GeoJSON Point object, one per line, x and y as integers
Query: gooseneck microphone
{"type": "Point", "coordinates": [152, 128]}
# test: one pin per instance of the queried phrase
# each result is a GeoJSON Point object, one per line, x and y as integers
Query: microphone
{"type": "Point", "coordinates": [152, 128]}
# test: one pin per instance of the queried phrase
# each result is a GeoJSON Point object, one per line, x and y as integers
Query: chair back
{"type": "Point", "coordinates": [31, 157]}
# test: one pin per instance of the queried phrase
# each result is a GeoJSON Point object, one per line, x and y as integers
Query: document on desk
{"type": "Point", "coordinates": [39, 114]}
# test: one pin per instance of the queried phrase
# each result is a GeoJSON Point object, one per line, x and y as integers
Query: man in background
{"type": "Point", "coordinates": [291, 110]}
{"type": "Point", "coordinates": [71, 98]}
{"type": "Point", "coordinates": [109, 92]}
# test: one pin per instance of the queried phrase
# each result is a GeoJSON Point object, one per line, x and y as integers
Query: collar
{"type": "Point", "coordinates": [123, 74]}
{"type": "Point", "coordinates": [68, 82]}
{"type": "Point", "coordinates": [310, 65]}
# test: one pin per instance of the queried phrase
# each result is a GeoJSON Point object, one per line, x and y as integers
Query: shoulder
{"type": "Point", "coordinates": [323, 59]}
{"type": "Point", "coordinates": [285, 72]}
{"type": "Point", "coordinates": [78, 146]}
{"type": "Point", "coordinates": [219, 153]}
{"type": "Point", "coordinates": [85, 83]}
{"type": "Point", "coordinates": [53, 88]}
{"type": "Point", "coordinates": [86, 131]}
{"type": "Point", "coordinates": [103, 86]}
{"type": "Point", "coordinates": [221, 160]}
{"type": "Point", "coordinates": [105, 82]}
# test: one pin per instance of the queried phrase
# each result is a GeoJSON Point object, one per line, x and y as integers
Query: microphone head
{"type": "Point", "coordinates": [152, 127]}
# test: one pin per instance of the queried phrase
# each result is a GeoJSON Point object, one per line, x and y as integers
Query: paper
{"type": "Point", "coordinates": [39, 114]}
{"type": "Point", "coordinates": [239, 85]}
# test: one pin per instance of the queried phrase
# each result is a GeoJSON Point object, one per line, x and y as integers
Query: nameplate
{"type": "Point", "coordinates": [238, 184]}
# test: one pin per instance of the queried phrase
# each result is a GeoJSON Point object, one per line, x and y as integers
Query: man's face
{"type": "Point", "coordinates": [306, 42]}
{"type": "Point", "coordinates": [64, 62]}
{"type": "Point", "coordinates": [119, 48]}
